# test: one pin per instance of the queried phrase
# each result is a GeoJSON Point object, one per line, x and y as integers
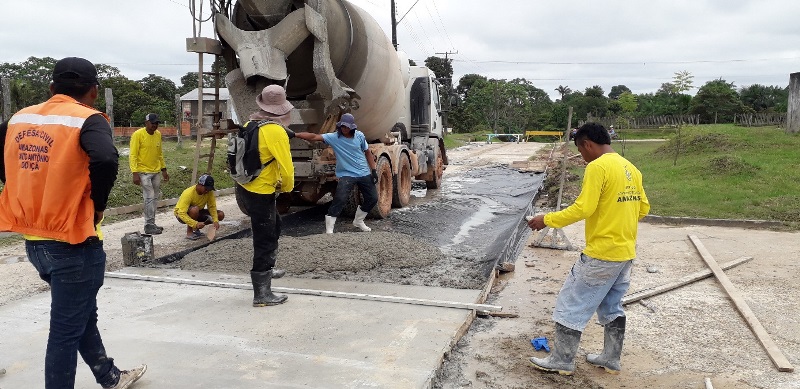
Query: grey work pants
{"type": "Point", "coordinates": [151, 190]}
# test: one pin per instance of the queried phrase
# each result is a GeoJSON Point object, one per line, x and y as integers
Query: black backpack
{"type": "Point", "coordinates": [244, 160]}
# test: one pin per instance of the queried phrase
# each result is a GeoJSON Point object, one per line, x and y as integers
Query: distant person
{"type": "Point", "coordinates": [191, 207]}
{"type": "Point", "coordinates": [260, 194]}
{"type": "Point", "coordinates": [612, 201]}
{"type": "Point", "coordinates": [355, 166]}
{"type": "Point", "coordinates": [59, 164]}
{"type": "Point", "coordinates": [611, 132]}
{"type": "Point", "coordinates": [148, 168]}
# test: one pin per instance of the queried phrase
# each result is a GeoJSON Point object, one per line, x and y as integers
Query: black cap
{"type": "Point", "coordinates": [207, 181]}
{"type": "Point", "coordinates": [152, 118]}
{"type": "Point", "coordinates": [74, 70]}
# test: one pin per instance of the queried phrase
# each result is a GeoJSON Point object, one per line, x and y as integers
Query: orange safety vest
{"type": "Point", "coordinates": [47, 192]}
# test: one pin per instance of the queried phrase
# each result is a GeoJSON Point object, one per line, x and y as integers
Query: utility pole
{"type": "Point", "coordinates": [394, 26]}
{"type": "Point", "coordinates": [5, 96]}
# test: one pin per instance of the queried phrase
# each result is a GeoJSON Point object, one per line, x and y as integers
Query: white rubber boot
{"type": "Point", "coordinates": [329, 222]}
{"type": "Point", "coordinates": [359, 220]}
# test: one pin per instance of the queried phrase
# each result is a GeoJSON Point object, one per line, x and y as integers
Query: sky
{"type": "Point", "coordinates": [578, 44]}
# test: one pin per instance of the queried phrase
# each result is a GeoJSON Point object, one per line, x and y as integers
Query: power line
{"type": "Point", "coordinates": [452, 46]}
{"type": "Point", "coordinates": [637, 62]}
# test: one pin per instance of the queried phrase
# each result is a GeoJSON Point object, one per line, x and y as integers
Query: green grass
{"type": "Point", "coordinates": [126, 193]}
{"type": "Point", "coordinates": [721, 171]}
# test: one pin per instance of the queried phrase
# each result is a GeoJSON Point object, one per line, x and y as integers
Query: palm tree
{"type": "Point", "coordinates": [563, 90]}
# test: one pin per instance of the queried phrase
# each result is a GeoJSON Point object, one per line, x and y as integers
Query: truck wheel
{"type": "Point", "coordinates": [385, 189]}
{"type": "Point", "coordinates": [436, 177]}
{"type": "Point", "coordinates": [237, 192]}
{"type": "Point", "coordinates": [402, 184]}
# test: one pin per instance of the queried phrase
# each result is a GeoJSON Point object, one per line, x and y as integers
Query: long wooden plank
{"type": "Point", "coordinates": [312, 292]}
{"type": "Point", "coordinates": [772, 349]}
{"type": "Point", "coordinates": [685, 280]}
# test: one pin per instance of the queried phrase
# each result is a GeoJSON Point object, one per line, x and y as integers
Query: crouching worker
{"type": "Point", "coordinates": [191, 207]}
{"type": "Point", "coordinates": [355, 166]}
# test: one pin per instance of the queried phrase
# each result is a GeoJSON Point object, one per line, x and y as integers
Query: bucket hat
{"type": "Point", "coordinates": [273, 100]}
{"type": "Point", "coordinates": [348, 121]}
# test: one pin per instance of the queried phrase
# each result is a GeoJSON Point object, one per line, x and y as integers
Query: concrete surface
{"type": "Point", "coordinates": [205, 337]}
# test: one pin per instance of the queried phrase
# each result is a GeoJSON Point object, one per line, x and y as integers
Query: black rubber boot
{"type": "Point", "coordinates": [613, 336]}
{"type": "Point", "coordinates": [562, 359]}
{"type": "Point", "coordinates": [277, 273]}
{"type": "Point", "coordinates": [262, 290]}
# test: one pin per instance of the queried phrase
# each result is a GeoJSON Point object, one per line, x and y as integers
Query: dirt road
{"type": "Point", "coordinates": [684, 336]}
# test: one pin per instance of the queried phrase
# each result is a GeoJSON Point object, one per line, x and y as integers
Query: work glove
{"type": "Point", "coordinates": [374, 177]}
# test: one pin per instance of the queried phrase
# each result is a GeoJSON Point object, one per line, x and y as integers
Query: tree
{"type": "Point", "coordinates": [594, 102]}
{"type": "Point", "coordinates": [627, 102]}
{"type": "Point", "coordinates": [682, 81]}
{"type": "Point", "coordinates": [189, 82]}
{"type": "Point", "coordinates": [466, 82]}
{"type": "Point", "coordinates": [617, 90]}
{"type": "Point", "coordinates": [563, 91]}
{"type": "Point", "coordinates": [30, 80]}
{"type": "Point", "coordinates": [762, 98]}
{"type": "Point", "coordinates": [442, 68]}
{"type": "Point", "coordinates": [716, 101]}
{"type": "Point", "coordinates": [159, 87]}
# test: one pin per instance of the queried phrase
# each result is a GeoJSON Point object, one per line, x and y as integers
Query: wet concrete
{"type": "Point", "coordinates": [451, 237]}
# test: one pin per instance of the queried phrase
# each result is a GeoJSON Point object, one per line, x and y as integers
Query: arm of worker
{"type": "Point", "coordinates": [133, 158]}
{"type": "Point", "coordinates": [164, 174]}
{"type": "Point", "coordinates": [644, 205]}
{"type": "Point", "coordinates": [212, 209]}
{"type": "Point", "coordinates": [586, 203]}
{"type": "Point", "coordinates": [309, 136]}
{"type": "Point", "coordinates": [97, 141]}
{"type": "Point", "coordinates": [3, 132]}
{"type": "Point", "coordinates": [182, 208]}
{"type": "Point", "coordinates": [279, 148]}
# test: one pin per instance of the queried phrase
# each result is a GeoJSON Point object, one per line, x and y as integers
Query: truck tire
{"type": "Point", "coordinates": [237, 192]}
{"type": "Point", "coordinates": [385, 189]}
{"type": "Point", "coordinates": [435, 178]}
{"type": "Point", "coordinates": [402, 183]}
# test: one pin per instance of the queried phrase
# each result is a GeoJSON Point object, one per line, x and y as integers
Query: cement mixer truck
{"type": "Point", "coordinates": [333, 57]}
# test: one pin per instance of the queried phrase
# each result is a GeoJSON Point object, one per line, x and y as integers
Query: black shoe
{"type": "Point", "coordinates": [152, 229]}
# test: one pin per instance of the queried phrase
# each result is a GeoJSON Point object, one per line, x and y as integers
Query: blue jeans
{"type": "Point", "coordinates": [592, 285]}
{"type": "Point", "coordinates": [75, 274]}
{"type": "Point", "coordinates": [342, 195]}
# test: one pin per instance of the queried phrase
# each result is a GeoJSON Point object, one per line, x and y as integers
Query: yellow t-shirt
{"type": "Point", "coordinates": [612, 201]}
{"type": "Point", "coordinates": [146, 155]}
{"type": "Point", "coordinates": [190, 198]}
{"type": "Point", "coordinates": [273, 143]}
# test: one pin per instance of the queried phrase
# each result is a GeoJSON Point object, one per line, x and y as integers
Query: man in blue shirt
{"type": "Point", "coordinates": [355, 165]}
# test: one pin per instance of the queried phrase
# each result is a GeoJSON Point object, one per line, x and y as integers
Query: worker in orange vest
{"type": "Point", "coordinates": [59, 164]}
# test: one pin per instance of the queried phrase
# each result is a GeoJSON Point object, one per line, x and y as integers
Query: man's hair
{"type": "Point", "coordinates": [71, 89]}
{"type": "Point", "coordinates": [594, 132]}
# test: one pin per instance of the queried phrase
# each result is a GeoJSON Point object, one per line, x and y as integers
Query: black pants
{"type": "Point", "coordinates": [266, 225]}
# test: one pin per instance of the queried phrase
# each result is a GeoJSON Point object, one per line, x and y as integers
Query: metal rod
{"type": "Point", "coordinates": [312, 292]}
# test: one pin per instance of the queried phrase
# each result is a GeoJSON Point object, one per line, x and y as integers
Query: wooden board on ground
{"type": "Point", "coordinates": [687, 279]}
{"type": "Point", "coordinates": [773, 351]}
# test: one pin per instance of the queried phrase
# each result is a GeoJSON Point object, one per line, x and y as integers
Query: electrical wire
{"type": "Point", "coordinates": [637, 62]}
{"type": "Point", "coordinates": [452, 46]}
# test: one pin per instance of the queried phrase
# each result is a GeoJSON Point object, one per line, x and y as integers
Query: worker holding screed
{"type": "Point", "coordinates": [612, 201]}
{"type": "Point", "coordinates": [191, 207]}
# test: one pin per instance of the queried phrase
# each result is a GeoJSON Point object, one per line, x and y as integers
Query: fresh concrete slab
{"type": "Point", "coordinates": [205, 337]}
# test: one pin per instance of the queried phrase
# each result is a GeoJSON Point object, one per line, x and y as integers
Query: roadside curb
{"type": "Point", "coordinates": [742, 223]}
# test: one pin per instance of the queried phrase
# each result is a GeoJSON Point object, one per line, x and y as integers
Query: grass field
{"type": "Point", "coordinates": [721, 171]}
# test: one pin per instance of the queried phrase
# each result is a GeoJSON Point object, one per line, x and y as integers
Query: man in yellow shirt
{"type": "Point", "coordinates": [146, 162]}
{"type": "Point", "coordinates": [612, 201]}
{"type": "Point", "coordinates": [260, 194]}
{"type": "Point", "coordinates": [191, 207]}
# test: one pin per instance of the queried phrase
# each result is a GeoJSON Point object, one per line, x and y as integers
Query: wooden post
{"type": "Point", "coordinates": [199, 126]}
{"type": "Point", "coordinates": [793, 113]}
{"type": "Point", "coordinates": [5, 96]}
{"type": "Point", "coordinates": [762, 335]}
{"type": "Point", "coordinates": [178, 118]}
{"type": "Point", "coordinates": [110, 107]}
